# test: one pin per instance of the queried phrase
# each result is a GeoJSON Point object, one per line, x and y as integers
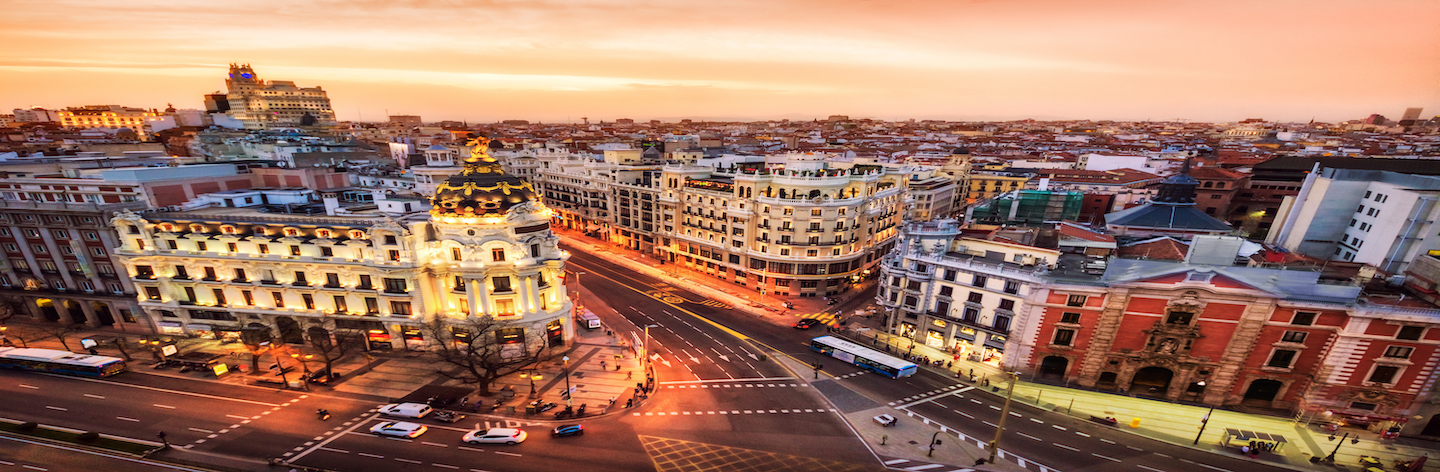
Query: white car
{"type": "Point", "coordinates": [406, 410]}
{"type": "Point", "coordinates": [494, 436]}
{"type": "Point", "coordinates": [398, 429]}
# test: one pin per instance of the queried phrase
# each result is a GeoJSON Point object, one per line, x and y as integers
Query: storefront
{"type": "Point", "coordinates": [964, 342]}
{"type": "Point", "coordinates": [994, 350]}
{"type": "Point", "coordinates": [414, 339]}
{"type": "Point", "coordinates": [201, 331]}
{"type": "Point", "coordinates": [170, 327]}
{"type": "Point", "coordinates": [228, 334]}
{"type": "Point", "coordinates": [379, 340]}
{"type": "Point", "coordinates": [555, 333]}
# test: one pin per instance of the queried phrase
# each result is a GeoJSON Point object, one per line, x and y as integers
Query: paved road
{"type": "Point", "coordinates": [25, 455]}
{"type": "Point", "coordinates": [1040, 439]}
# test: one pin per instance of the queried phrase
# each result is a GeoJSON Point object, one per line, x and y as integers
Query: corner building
{"type": "Point", "coordinates": [485, 250]}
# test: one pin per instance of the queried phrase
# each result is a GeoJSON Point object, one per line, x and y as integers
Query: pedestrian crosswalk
{"type": "Point", "coordinates": [830, 319]}
{"type": "Point", "coordinates": [738, 385]}
{"type": "Point", "coordinates": [735, 412]}
{"type": "Point", "coordinates": [907, 464]}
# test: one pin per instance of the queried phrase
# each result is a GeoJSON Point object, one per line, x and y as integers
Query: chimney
{"type": "Point", "coordinates": [332, 203]}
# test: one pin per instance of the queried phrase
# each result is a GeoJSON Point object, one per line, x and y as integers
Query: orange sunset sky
{"type": "Point", "coordinates": [1214, 60]}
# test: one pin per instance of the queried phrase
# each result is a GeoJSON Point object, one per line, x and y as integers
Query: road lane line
{"type": "Point", "coordinates": [1056, 426]}
{"type": "Point", "coordinates": [992, 425]}
{"type": "Point", "coordinates": [56, 408]}
{"type": "Point", "coordinates": [238, 417]}
{"type": "Point", "coordinates": [1208, 466]}
{"type": "Point", "coordinates": [331, 449]}
{"type": "Point", "coordinates": [122, 418]}
{"type": "Point", "coordinates": [154, 389]}
{"type": "Point", "coordinates": [98, 397]}
{"type": "Point", "coordinates": [6, 463]}
{"type": "Point", "coordinates": [1037, 420]}
{"type": "Point", "coordinates": [366, 454]}
{"type": "Point", "coordinates": [434, 444]}
{"type": "Point", "coordinates": [1106, 441]}
{"type": "Point", "coordinates": [337, 436]}
{"type": "Point", "coordinates": [507, 453]}
{"type": "Point", "coordinates": [967, 415]}
{"type": "Point", "coordinates": [409, 461]}
{"type": "Point", "coordinates": [1146, 467]}
{"type": "Point", "coordinates": [1077, 433]}
{"type": "Point", "coordinates": [1167, 456]}
{"type": "Point", "coordinates": [31, 467]}
{"type": "Point", "coordinates": [1105, 457]}
{"type": "Point", "coordinates": [443, 466]}
{"type": "Point", "coordinates": [1062, 446]}
{"type": "Point", "coordinates": [1028, 436]}
{"type": "Point", "coordinates": [1136, 448]}
{"type": "Point", "coordinates": [157, 405]}
{"type": "Point", "coordinates": [471, 449]}
{"type": "Point", "coordinates": [198, 430]}
{"type": "Point", "coordinates": [30, 386]}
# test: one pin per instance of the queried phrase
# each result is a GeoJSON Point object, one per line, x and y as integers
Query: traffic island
{"type": "Point", "coordinates": [79, 438]}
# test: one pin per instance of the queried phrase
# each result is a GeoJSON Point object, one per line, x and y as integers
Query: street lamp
{"type": "Point", "coordinates": [1004, 413]}
{"type": "Point", "coordinates": [569, 401]}
{"type": "Point", "coordinates": [305, 367]}
{"type": "Point", "coordinates": [1331, 458]}
{"type": "Point", "coordinates": [276, 352]}
{"type": "Point", "coordinates": [533, 377]}
{"type": "Point", "coordinates": [577, 283]}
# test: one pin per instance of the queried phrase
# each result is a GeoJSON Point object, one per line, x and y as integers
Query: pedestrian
{"type": "Point", "coordinates": [637, 391]}
{"type": "Point", "coordinates": [465, 400]}
{"type": "Point", "coordinates": [602, 365]}
{"type": "Point", "coordinates": [612, 401]}
{"type": "Point", "coordinates": [629, 375]}
{"type": "Point", "coordinates": [947, 365]}
{"type": "Point", "coordinates": [629, 402]}
{"type": "Point", "coordinates": [1245, 450]}
{"type": "Point", "coordinates": [617, 366]}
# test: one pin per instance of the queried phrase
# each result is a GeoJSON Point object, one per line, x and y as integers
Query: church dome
{"type": "Point", "coordinates": [482, 188]}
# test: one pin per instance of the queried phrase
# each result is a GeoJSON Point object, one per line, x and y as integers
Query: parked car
{"type": "Point", "coordinates": [494, 436]}
{"type": "Point", "coordinates": [321, 377]}
{"type": "Point", "coordinates": [807, 323]}
{"type": "Point", "coordinates": [568, 430]}
{"type": "Point", "coordinates": [406, 410]}
{"type": "Point", "coordinates": [398, 429]}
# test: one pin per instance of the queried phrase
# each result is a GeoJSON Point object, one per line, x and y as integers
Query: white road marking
{"type": "Point", "coordinates": [443, 466]}
{"type": "Point", "coordinates": [1028, 436]}
{"type": "Point", "coordinates": [434, 444]}
{"type": "Point", "coordinates": [122, 418]}
{"type": "Point", "coordinates": [31, 467]}
{"type": "Point", "coordinates": [331, 449]}
{"type": "Point", "coordinates": [410, 461]}
{"type": "Point", "coordinates": [992, 425]}
{"type": "Point", "coordinates": [157, 405]}
{"type": "Point", "coordinates": [98, 397]}
{"type": "Point", "coordinates": [507, 453]}
{"type": "Point", "coordinates": [198, 430]}
{"type": "Point", "coordinates": [1062, 446]}
{"type": "Point", "coordinates": [1105, 457]}
{"type": "Point", "coordinates": [1135, 448]}
{"type": "Point", "coordinates": [366, 454]}
{"type": "Point", "coordinates": [56, 408]}
{"type": "Point", "coordinates": [238, 417]}
{"type": "Point", "coordinates": [1107, 441]}
{"type": "Point", "coordinates": [30, 386]}
{"type": "Point", "coordinates": [1081, 434]}
{"type": "Point", "coordinates": [896, 461]}
{"type": "Point", "coordinates": [967, 415]}
{"type": "Point", "coordinates": [471, 449]}
{"type": "Point", "coordinates": [1056, 426]}
{"type": "Point", "coordinates": [1037, 420]}
{"type": "Point", "coordinates": [1146, 467]}
{"type": "Point", "coordinates": [1211, 467]}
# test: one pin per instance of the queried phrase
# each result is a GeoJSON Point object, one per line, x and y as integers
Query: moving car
{"type": "Point", "coordinates": [568, 430]}
{"type": "Point", "coordinates": [807, 323]}
{"type": "Point", "coordinates": [406, 410]}
{"type": "Point", "coordinates": [399, 429]}
{"type": "Point", "coordinates": [494, 436]}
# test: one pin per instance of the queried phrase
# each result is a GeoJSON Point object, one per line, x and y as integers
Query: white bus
{"type": "Point", "coordinates": [881, 363]}
{"type": "Point", "coordinates": [60, 362]}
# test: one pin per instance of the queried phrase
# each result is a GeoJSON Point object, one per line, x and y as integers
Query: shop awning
{"type": "Point", "coordinates": [1244, 435]}
{"type": "Point", "coordinates": [167, 324]}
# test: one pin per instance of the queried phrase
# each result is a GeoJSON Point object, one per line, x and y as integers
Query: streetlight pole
{"type": "Point", "coordinates": [569, 400]}
{"type": "Point", "coordinates": [1331, 458]}
{"type": "Point", "coordinates": [934, 441]}
{"type": "Point", "coordinates": [1004, 413]}
{"type": "Point", "coordinates": [1203, 421]}
{"type": "Point", "coordinates": [274, 350]}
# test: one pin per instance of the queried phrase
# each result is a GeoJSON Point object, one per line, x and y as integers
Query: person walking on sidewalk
{"type": "Point", "coordinates": [629, 375]}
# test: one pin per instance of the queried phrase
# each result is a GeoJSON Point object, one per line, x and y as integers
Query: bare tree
{"type": "Point", "coordinates": [257, 339]}
{"type": "Point", "coordinates": [474, 350]}
{"type": "Point", "coordinates": [60, 331]}
{"type": "Point", "coordinates": [345, 340]}
{"type": "Point", "coordinates": [10, 306]}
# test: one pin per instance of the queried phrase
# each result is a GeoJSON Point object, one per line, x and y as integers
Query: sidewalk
{"type": "Point", "coordinates": [1171, 422]}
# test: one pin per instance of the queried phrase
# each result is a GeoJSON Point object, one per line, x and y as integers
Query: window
{"type": "Point", "coordinates": [394, 255]}
{"type": "Point", "coordinates": [947, 291]}
{"type": "Point", "coordinates": [144, 272]}
{"type": "Point", "coordinates": [263, 248]}
{"type": "Point", "coordinates": [180, 273]}
{"type": "Point", "coordinates": [400, 308]}
{"type": "Point", "coordinates": [249, 298]}
{"type": "Point", "coordinates": [300, 278]}
{"type": "Point", "coordinates": [1070, 318]}
{"type": "Point", "coordinates": [219, 296]}
{"type": "Point", "coordinates": [1303, 318]}
{"type": "Point", "coordinates": [152, 293]}
{"type": "Point", "coordinates": [1064, 337]}
{"type": "Point", "coordinates": [326, 251]}
{"type": "Point", "coordinates": [39, 248]}
{"type": "Point", "coordinates": [1384, 374]}
{"type": "Point", "coordinates": [1399, 352]}
{"type": "Point", "coordinates": [201, 246]}
{"type": "Point", "coordinates": [971, 315]}
{"type": "Point", "coordinates": [1012, 286]}
{"type": "Point", "coordinates": [1179, 318]}
{"type": "Point", "coordinates": [372, 306]}
{"type": "Point", "coordinates": [395, 285]}
{"type": "Point", "coordinates": [1075, 300]}
{"type": "Point", "coordinates": [340, 304]}
{"type": "Point", "coordinates": [535, 251]}
{"type": "Point", "coordinates": [232, 247]}
{"type": "Point", "coordinates": [502, 283]}
{"type": "Point", "coordinates": [1294, 336]}
{"type": "Point", "coordinates": [240, 277]}
{"type": "Point", "coordinates": [365, 283]}
{"type": "Point", "coordinates": [1007, 304]}
{"type": "Point", "coordinates": [976, 297]}
{"type": "Point", "coordinates": [60, 234]}
{"type": "Point", "coordinates": [1002, 323]}
{"type": "Point", "coordinates": [1281, 358]}
{"type": "Point", "coordinates": [949, 275]}
{"type": "Point", "coordinates": [1410, 333]}
{"type": "Point", "coordinates": [497, 255]}
{"type": "Point", "coordinates": [279, 299]}
{"type": "Point", "coordinates": [294, 250]}
{"type": "Point", "coordinates": [980, 281]}
{"type": "Point", "coordinates": [308, 300]}
{"type": "Point", "coordinates": [390, 239]}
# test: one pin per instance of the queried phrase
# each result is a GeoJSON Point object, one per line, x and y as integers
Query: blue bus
{"type": "Point", "coordinates": [60, 362]}
{"type": "Point", "coordinates": [879, 362]}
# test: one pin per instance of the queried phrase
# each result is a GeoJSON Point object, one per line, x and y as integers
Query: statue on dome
{"type": "Point", "coordinates": [479, 150]}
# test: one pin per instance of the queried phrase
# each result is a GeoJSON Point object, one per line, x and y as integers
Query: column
{"type": "Point", "coordinates": [91, 319]}
{"type": "Point", "coordinates": [470, 296]}
{"type": "Point", "coordinates": [60, 309]}
{"type": "Point", "coordinates": [483, 289]}
{"type": "Point", "coordinates": [532, 294]}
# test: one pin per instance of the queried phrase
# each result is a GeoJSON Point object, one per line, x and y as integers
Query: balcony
{"type": "Point", "coordinates": [240, 280]}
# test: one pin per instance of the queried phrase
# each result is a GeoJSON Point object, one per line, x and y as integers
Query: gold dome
{"type": "Point", "coordinates": [482, 188]}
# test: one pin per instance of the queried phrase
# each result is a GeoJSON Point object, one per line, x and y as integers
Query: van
{"type": "Point", "coordinates": [589, 320]}
{"type": "Point", "coordinates": [406, 410]}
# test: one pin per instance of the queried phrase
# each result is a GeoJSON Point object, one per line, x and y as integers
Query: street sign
{"type": "Point", "coordinates": [169, 350]}
{"type": "Point", "coordinates": [88, 343]}
{"type": "Point", "coordinates": [221, 369]}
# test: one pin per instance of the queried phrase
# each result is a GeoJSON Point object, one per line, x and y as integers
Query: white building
{"type": "Point", "coordinates": [1385, 219]}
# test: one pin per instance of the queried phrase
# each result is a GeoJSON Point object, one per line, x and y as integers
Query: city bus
{"type": "Point", "coordinates": [60, 362]}
{"type": "Point", "coordinates": [879, 362]}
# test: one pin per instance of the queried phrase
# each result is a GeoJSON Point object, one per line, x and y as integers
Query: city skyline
{"type": "Point", "coordinates": [557, 62]}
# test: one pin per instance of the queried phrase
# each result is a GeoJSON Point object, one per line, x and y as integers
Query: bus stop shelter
{"type": "Point", "coordinates": [1239, 437]}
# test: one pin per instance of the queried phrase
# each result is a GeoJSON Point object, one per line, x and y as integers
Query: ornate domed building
{"type": "Point", "coordinates": [489, 252]}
